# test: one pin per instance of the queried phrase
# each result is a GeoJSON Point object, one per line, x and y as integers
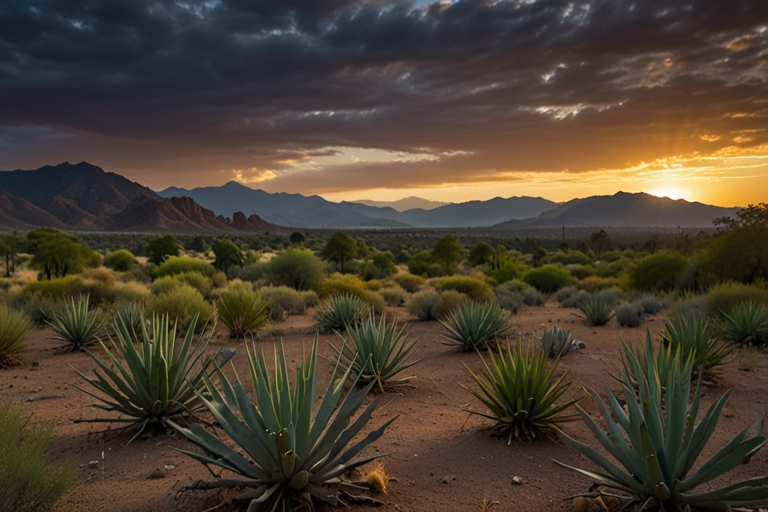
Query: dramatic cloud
{"type": "Point", "coordinates": [335, 95]}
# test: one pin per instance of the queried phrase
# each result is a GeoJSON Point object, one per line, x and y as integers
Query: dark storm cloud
{"type": "Point", "coordinates": [188, 88]}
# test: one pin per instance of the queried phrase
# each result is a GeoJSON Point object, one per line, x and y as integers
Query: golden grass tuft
{"type": "Point", "coordinates": [376, 477]}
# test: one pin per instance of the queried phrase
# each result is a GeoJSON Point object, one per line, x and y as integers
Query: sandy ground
{"type": "Point", "coordinates": [441, 458]}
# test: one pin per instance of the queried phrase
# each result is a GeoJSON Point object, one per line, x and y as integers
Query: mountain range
{"type": "Point", "coordinates": [85, 197]}
{"type": "Point", "coordinates": [406, 203]}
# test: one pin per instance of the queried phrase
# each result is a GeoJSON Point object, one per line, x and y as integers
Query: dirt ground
{"type": "Point", "coordinates": [441, 459]}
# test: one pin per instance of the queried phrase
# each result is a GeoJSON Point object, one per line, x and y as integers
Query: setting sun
{"type": "Point", "coordinates": [670, 192]}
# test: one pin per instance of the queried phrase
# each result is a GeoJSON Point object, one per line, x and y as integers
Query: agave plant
{"type": "Point", "coordinates": [132, 316]}
{"type": "Point", "coordinates": [636, 358]}
{"type": "Point", "coordinates": [242, 310]}
{"type": "Point", "coordinates": [693, 334]}
{"type": "Point", "coordinates": [377, 352]}
{"type": "Point", "coordinates": [76, 325]}
{"type": "Point", "coordinates": [596, 311]}
{"type": "Point", "coordinates": [155, 382]}
{"type": "Point", "coordinates": [473, 325]}
{"type": "Point", "coordinates": [341, 311]}
{"type": "Point", "coordinates": [557, 341]}
{"type": "Point", "coordinates": [519, 391]}
{"type": "Point", "coordinates": [14, 326]}
{"type": "Point", "coordinates": [289, 450]}
{"type": "Point", "coordinates": [747, 323]}
{"type": "Point", "coordinates": [656, 446]}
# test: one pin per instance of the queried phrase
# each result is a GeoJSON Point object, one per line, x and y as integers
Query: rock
{"type": "Point", "coordinates": [93, 463]}
{"type": "Point", "coordinates": [580, 504]}
{"type": "Point", "coordinates": [516, 480]}
{"type": "Point", "coordinates": [156, 474]}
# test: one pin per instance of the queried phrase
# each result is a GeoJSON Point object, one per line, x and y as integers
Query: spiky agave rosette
{"type": "Point", "coordinates": [286, 452]}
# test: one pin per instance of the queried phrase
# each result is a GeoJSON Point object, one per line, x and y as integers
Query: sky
{"type": "Point", "coordinates": [376, 99]}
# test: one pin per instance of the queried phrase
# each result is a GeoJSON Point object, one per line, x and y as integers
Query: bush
{"type": "Point", "coordinates": [651, 304]}
{"type": "Point", "coordinates": [296, 267]}
{"type": "Point", "coordinates": [614, 269]}
{"type": "Point", "coordinates": [572, 298]}
{"type": "Point", "coordinates": [594, 284]}
{"type": "Point", "coordinates": [508, 297]}
{"type": "Point", "coordinates": [281, 302]}
{"type": "Point", "coordinates": [120, 260]}
{"type": "Point", "coordinates": [241, 309]}
{"type": "Point", "coordinates": [14, 326]}
{"type": "Point", "coordinates": [425, 305]}
{"type": "Point", "coordinates": [547, 279]}
{"type": "Point", "coordinates": [689, 305]}
{"type": "Point", "coordinates": [747, 323]}
{"type": "Point", "coordinates": [394, 295]}
{"type": "Point", "coordinates": [38, 308]}
{"type": "Point", "coordinates": [339, 284]}
{"type": "Point", "coordinates": [658, 272]}
{"type": "Point", "coordinates": [181, 303]}
{"type": "Point", "coordinates": [375, 302]}
{"type": "Point", "coordinates": [629, 314]}
{"type": "Point", "coordinates": [724, 297]}
{"type": "Point", "coordinates": [610, 295]}
{"type": "Point", "coordinates": [520, 393]}
{"type": "Point", "coordinates": [252, 272]}
{"type": "Point", "coordinates": [55, 289]}
{"type": "Point", "coordinates": [423, 264]}
{"type": "Point", "coordinates": [184, 264]}
{"type": "Point", "coordinates": [571, 257]}
{"type": "Point", "coordinates": [475, 289]}
{"type": "Point", "coordinates": [100, 275]}
{"type": "Point", "coordinates": [194, 279]}
{"type": "Point", "coordinates": [340, 312]}
{"type": "Point", "coordinates": [595, 311]}
{"type": "Point", "coordinates": [533, 297]}
{"type": "Point", "coordinates": [474, 325]}
{"type": "Point", "coordinates": [28, 481]}
{"type": "Point", "coordinates": [583, 271]}
{"type": "Point", "coordinates": [138, 273]}
{"type": "Point", "coordinates": [409, 282]}
{"type": "Point", "coordinates": [450, 300]}
{"type": "Point", "coordinates": [507, 272]}
{"type": "Point", "coordinates": [310, 299]}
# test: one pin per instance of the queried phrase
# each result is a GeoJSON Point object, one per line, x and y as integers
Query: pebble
{"type": "Point", "coordinates": [517, 480]}
{"type": "Point", "coordinates": [156, 474]}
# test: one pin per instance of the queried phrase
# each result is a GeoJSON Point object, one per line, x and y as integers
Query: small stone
{"type": "Point", "coordinates": [580, 504]}
{"type": "Point", "coordinates": [156, 474]}
{"type": "Point", "coordinates": [169, 467]}
{"type": "Point", "coordinates": [516, 480]}
{"type": "Point", "coordinates": [446, 480]}
{"type": "Point", "coordinates": [93, 463]}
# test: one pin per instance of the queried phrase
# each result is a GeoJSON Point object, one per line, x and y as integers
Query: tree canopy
{"type": "Point", "coordinates": [160, 248]}
{"type": "Point", "coordinates": [227, 254]}
{"type": "Point", "coordinates": [340, 248]}
{"type": "Point", "coordinates": [56, 254]}
{"type": "Point", "coordinates": [740, 251]}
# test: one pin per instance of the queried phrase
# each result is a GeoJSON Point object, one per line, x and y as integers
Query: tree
{"type": "Point", "coordinates": [296, 267]}
{"type": "Point", "coordinates": [340, 247]}
{"type": "Point", "coordinates": [598, 239]}
{"type": "Point", "coordinates": [740, 251]}
{"type": "Point", "coordinates": [160, 248]}
{"type": "Point", "coordinates": [227, 254]}
{"type": "Point", "coordinates": [481, 254]}
{"type": "Point", "coordinates": [384, 264]}
{"type": "Point", "coordinates": [448, 252]}
{"type": "Point", "coordinates": [57, 255]}
{"type": "Point", "coordinates": [198, 244]}
{"type": "Point", "coordinates": [296, 238]}
{"type": "Point", "coordinates": [5, 249]}
{"type": "Point", "coordinates": [660, 271]}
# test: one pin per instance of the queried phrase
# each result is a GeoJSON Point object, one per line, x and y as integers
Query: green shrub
{"type": "Point", "coordinates": [629, 314]}
{"type": "Point", "coordinates": [338, 284]}
{"type": "Point", "coordinates": [507, 272]}
{"type": "Point", "coordinates": [181, 304]}
{"type": "Point", "coordinates": [281, 302]}
{"type": "Point", "coordinates": [252, 272]}
{"type": "Point", "coordinates": [120, 260]}
{"type": "Point", "coordinates": [571, 257]}
{"type": "Point", "coordinates": [656, 441]}
{"type": "Point", "coordinates": [394, 295]}
{"type": "Point", "coordinates": [475, 289]}
{"type": "Point", "coordinates": [375, 302]}
{"type": "Point", "coordinates": [288, 447]}
{"type": "Point", "coordinates": [425, 305]}
{"type": "Point", "coordinates": [14, 326]}
{"type": "Point", "coordinates": [722, 298]}
{"type": "Point", "coordinates": [241, 309]}
{"type": "Point", "coordinates": [29, 482]}
{"type": "Point", "coordinates": [688, 305]}
{"type": "Point", "coordinates": [583, 271]}
{"type": "Point", "coordinates": [423, 264]}
{"type": "Point", "coordinates": [594, 284]}
{"type": "Point", "coordinates": [547, 279]}
{"type": "Point", "coordinates": [183, 264]}
{"type": "Point", "coordinates": [409, 282]}
{"type": "Point", "coordinates": [614, 269]}
{"type": "Point", "coordinates": [595, 311]}
{"type": "Point", "coordinates": [533, 297]}
{"type": "Point", "coordinates": [340, 311]}
{"type": "Point", "coordinates": [377, 352]}
{"type": "Point", "coordinates": [310, 299]}
{"type": "Point", "coordinates": [694, 337]}
{"type": "Point", "coordinates": [77, 326]}
{"type": "Point", "coordinates": [651, 304]}
{"type": "Point", "coordinates": [520, 393]}
{"type": "Point", "coordinates": [557, 341]}
{"type": "Point", "coordinates": [474, 325]}
{"type": "Point", "coordinates": [194, 279]}
{"type": "Point", "coordinates": [508, 297]}
{"type": "Point", "coordinates": [747, 323]}
{"type": "Point", "coordinates": [138, 273]}
{"type": "Point", "coordinates": [658, 272]}
{"type": "Point", "coordinates": [55, 289]}
{"type": "Point", "coordinates": [450, 300]}
{"type": "Point", "coordinates": [296, 267]}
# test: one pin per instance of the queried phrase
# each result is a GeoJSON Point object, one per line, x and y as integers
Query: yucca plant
{"type": "Point", "coordinates": [656, 443]}
{"type": "Point", "coordinates": [77, 326]}
{"type": "Point", "coordinates": [14, 326]}
{"type": "Point", "coordinates": [242, 310]}
{"type": "Point", "coordinates": [288, 450]}
{"type": "Point", "coordinates": [158, 377]}
{"type": "Point", "coordinates": [746, 323]}
{"type": "Point", "coordinates": [519, 392]}
{"type": "Point", "coordinates": [596, 311]}
{"type": "Point", "coordinates": [636, 358]}
{"type": "Point", "coordinates": [378, 352]}
{"type": "Point", "coordinates": [474, 324]}
{"type": "Point", "coordinates": [693, 334]}
{"type": "Point", "coordinates": [341, 311]}
{"type": "Point", "coordinates": [557, 341]}
{"type": "Point", "coordinates": [132, 315]}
